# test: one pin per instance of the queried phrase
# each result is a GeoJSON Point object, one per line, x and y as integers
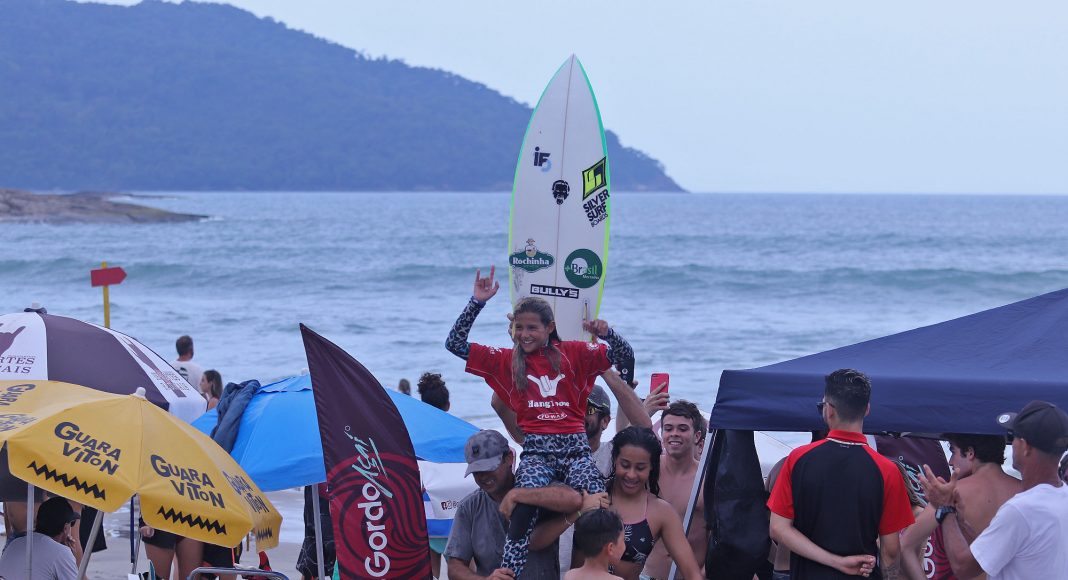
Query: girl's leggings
{"type": "Point", "coordinates": [545, 459]}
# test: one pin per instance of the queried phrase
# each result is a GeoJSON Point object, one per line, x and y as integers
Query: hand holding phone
{"type": "Point", "coordinates": [626, 371]}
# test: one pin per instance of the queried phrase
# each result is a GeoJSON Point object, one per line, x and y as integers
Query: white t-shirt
{"type": "Point", "coordinates": [1028, 537]}
{"type": "Point", "coordinates": [51, 560]}
{"type": "Point", "coordinates": [190, 371]}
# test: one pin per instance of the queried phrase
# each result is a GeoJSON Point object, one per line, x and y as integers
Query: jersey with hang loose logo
{"type": "Point", "coordinates": [550, 402]}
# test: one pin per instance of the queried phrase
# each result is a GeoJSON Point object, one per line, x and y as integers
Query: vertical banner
{"type": "Point", "coordinates": [375, 498]}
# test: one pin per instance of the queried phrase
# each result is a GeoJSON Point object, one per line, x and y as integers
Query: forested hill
{"type": "Point", "coordinates": [192, 96]}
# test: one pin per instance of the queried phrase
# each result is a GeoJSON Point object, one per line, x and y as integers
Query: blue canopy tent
{"type": "Point", "coordinates": [278, 442]}
{"type": "Point", "coordinates": [951, 377]}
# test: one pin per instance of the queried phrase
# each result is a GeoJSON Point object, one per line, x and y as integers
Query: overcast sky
{"type": "Point", "coordinates": [753, 95]}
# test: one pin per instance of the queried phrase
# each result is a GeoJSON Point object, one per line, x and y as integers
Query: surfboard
{"type": "Point", "coordinates": [560, 216]}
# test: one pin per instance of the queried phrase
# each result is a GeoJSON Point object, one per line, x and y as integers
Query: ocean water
{"type": "Point", "coordinates": [697, 283]}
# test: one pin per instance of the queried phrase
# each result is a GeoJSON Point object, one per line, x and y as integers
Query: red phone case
{"type": "Point", "coordinates": [656, 379]}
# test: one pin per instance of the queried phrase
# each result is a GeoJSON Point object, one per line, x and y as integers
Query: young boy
{"type": "Point", "coordinates": [599, 537]}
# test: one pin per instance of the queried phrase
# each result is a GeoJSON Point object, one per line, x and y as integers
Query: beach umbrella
{"type": "Point", "coordinates": [278, 441]}
{"type": "Point", "coordinates": [35, 346]}
{"type": "Point", "coordinates": [99, 449]}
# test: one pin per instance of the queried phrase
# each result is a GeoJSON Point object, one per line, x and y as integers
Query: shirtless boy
{"type": "Point", "coordinates": [976, 461]}
{"type": "Point", "coordinates": [682, 427]}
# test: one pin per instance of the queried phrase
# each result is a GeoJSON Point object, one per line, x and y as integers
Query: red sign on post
{"type": "Point", "coordinates": [107, 276]}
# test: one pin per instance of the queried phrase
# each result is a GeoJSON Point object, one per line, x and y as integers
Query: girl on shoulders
{"type": "Point", "coordinates": [546, 382]}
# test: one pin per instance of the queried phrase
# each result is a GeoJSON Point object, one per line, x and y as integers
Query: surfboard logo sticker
{"type": "Point", "coordinates": [596, 208]}
{"type": "Point", "coordinates": [583, 268]}
{"type": "Point", "coordinates": [595, 193]}
{"type": "Point", "coordinates": [593, 178]}
{"type": "Point", "coordinates": [541, 159]}
{"type": "Point", "coordinates": [560, 191]}
{"type": "Point", "coordinates": [554, 291]}
{"type": "Point", "coordinates": [531, 259]}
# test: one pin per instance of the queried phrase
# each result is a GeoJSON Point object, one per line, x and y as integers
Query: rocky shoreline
{"type": "Point", "coordinates": [17, 206]}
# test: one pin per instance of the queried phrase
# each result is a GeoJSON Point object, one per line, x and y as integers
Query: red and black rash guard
{"type": "Point", "coordinates": [842, 495]}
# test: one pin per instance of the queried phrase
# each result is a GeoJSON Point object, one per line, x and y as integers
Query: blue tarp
{"type": "Point", "coordinates": [278, 442]}
{"type": "Point", "coordinates": [951, 377]}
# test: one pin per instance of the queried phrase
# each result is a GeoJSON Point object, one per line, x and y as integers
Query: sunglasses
{"type": "Point", "coordinates": [820, 405]}
{"type": "Point", "coordinates": [1009, 436]}
{"type": "Point", "coordinates": [593, 409]}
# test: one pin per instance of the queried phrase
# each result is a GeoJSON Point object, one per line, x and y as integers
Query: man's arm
{"type": "Point", "coordinates": [783, 531]}
{"type": "Point", "coordinates": [890, 555]}
{"type": "Point", "coordinates": [656, 401]}
{"type": "Point", "coordinates": [959, 552]}
{"type": "Point", "coordinates": [555, 497]}
{"type": "Point", "coordinates": [629, 403]}
{"type": "Point", "coordinates": [678, 547]}
{"type": "Point", "coordinates": [508, 417]}
{"type": "Point", "coordinates": [459, 570]}
{"type": "Point", "coordinates": [550, 526]}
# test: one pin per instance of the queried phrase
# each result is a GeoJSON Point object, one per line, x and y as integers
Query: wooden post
{"type": "Point", "coordinates": [107, 302]}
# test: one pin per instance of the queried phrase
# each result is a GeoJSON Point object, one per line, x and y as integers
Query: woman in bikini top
{"type": "Point", "coordinates": [634, 492]}
{"type": "Point", "coordinates": [638, 539]}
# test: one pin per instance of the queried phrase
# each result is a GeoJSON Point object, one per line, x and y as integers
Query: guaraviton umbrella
{"type": "Point", "coordinates": [99, 449]}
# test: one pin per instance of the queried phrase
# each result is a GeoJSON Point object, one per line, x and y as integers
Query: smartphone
{"type": "Point", "coordinates": [659, 379]}
{"type": "Point", "coordinates": [626, 370]}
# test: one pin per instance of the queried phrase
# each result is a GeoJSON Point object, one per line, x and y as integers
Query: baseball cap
{"type": "Point", "coordinates": [484, 451]}
{"type": "Point", "coordinates": [1041, 424]}
{"type": "Point", "coordinates": [599, 398]}
{"type": "Point", "coordinates": [53, 514]}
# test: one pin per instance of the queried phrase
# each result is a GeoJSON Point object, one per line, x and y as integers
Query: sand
{"type": "Point", "coordinates": [114, 563]}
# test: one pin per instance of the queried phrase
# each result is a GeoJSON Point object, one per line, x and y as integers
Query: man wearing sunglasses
{"type": "Point", "coordinates": [1028, 537]}
{"type": "Point", "coordinates": [835, 497]}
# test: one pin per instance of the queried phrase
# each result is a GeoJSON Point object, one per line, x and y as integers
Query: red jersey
{"type": "Point", "coordinates": [550, 403]}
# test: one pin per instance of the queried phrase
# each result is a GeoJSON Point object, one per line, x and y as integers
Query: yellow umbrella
{"type": "Point", "coordinates": [99, 449]}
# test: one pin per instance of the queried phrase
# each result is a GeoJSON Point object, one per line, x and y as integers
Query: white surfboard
{"type": "Point", "coordinates": [558, 235]}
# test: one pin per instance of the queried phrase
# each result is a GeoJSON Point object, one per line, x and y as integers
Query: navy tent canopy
{"type": "Point", "coordinates": [951, 377]}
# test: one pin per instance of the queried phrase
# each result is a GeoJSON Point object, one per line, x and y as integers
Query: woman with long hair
{"type": "Point", "coordinates": [211, 386]}
{"type": "Point", "coordinates": [634, 490]}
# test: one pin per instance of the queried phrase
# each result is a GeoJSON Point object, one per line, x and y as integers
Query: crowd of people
{"type": "Point", "coordinates": [580, 503]}
{"type": "Point", "coordinates": [836, 508]}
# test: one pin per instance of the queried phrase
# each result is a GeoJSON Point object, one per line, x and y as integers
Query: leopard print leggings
{"type": "Point", "coordinates": [547, 458]}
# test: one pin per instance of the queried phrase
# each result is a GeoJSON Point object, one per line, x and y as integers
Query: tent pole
{"type": "Point", "coordinates": [92, 541]}
{"type": "Point", "coordinates": [318, 532]}
{"type": "Point", "coordinates": [135, 534]}
{"type": "Point", "coordinates": [133, 530]}
{"type": "Point", "coordinates": [29, 530]}
{"type": "Point", "coordinates": [698, 481]}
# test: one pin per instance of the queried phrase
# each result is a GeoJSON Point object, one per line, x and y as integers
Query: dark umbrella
{"type": "Point", "coordinates": [39, 346]}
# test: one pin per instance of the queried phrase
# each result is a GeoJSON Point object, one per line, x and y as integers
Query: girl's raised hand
{"type": "Point", "coordinates": [485, 288]}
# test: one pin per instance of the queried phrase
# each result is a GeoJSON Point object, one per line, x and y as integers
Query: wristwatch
{"type": "Point", "coordinates": [943, 511]}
